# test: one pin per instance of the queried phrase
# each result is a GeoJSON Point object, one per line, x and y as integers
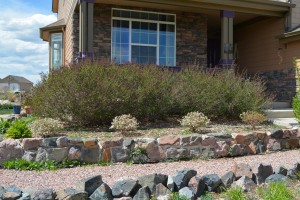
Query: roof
{"type": "Point", "coordinates": [290, 36]}
{"type": "Point", "coordinates": [56, 26]}
{"type": "Point", "coordinates": [18, 79]}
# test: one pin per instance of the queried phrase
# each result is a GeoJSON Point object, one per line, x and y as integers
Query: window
{"type": "Point", "coordinates": [56, 54]}
{"type": "Point", "coordinates": [143, 37]}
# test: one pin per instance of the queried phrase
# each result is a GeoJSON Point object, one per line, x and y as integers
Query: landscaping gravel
{"type": "Point", "coordinates": [65, 178]}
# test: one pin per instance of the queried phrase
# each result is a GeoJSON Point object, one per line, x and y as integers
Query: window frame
{"type": "Point", "coordinates": [51, 51]}
{"type": "Point", "coordinates": [158, 22]}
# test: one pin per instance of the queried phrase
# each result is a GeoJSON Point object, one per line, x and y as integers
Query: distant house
{"type": "Point", "coordinates": [15, 83]}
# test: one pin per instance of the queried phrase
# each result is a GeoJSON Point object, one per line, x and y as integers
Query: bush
{"type": "Point", "coordinates": [146, 92]}
{"type": "Point", "coordinates": [6, 106]}
{"type": "Point", "coordinates": [46, 127]}
{"type": "Point", "coordinates": [276, 191]}
{"type": "Point", "coordinates": [19, 129]}
{"type": "Point", "coordinates": [4, 125]}
{"type": "Point", "coordinates": [296, 106]}
{"type": "Point", "coordinates": [124, 123]}
{"type": "Point", "coordinates": [253, 118]}
{"type": "Point", "coordinates": [235, 194]}
{"type": "Point", "coordinates": [194, 121]}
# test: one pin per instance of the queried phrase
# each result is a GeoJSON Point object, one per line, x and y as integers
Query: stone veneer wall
{"type": "Point", "coordinates": [281, 83]}
{"type": "Point", "coordinates": [211, 145]}
{"type": "Point", "coordinates": [191, 35]}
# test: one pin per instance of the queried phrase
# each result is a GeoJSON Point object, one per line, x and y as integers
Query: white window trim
{"type": "Point", "coordinates": [130, 20]}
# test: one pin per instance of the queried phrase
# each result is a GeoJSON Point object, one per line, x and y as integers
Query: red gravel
{"type": "Point", "coordinates": [65, 178]}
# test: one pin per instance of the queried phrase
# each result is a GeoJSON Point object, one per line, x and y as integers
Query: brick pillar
{"type": "Point", "coordinates": [86, 26]}
{"type": "Point", "coordinates": [227, 37]}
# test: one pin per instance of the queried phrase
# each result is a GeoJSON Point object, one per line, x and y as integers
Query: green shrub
{"type": "Point", "coordinates": [19, 129]}
{"type": "Point", "coordinates": [296, 106]}
{"type": "Point", "coordinates": [235, 194]}
{"type": "Point", "coordinates": [194, 121]}
{"type": "Point", "coordinates": [4, 125]}
{"type": "Point", "coordinates": [277, 191]}
{"type": "Point", "coordinates": [6, 106]}
{"type": "Point", "coordinates": [45, 127]}
{"type": "Point", "coordinates": [146, 92]}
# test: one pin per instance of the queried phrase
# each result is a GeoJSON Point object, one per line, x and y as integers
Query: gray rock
{"type": "Point", "coordinates": [75, 141]}
{"type": "Point", "coordinates": [71, 194]}
{"type": "Point", "coordinates": [197, 185]}
{"type": "Point", "coordinates": [102, 193]}
{"type": "Point", "coordinates": [74, 153]}
{"type": "Point", "coordinates": [212, 181]}
{"type": "Point", "coordinates": [128, 144]}
{"type": "Point", "coordinates": [170, 184]}
{"type": "Point", "coordinates": [14, 188]}
{"type": "Point", "coordinates": [2, 190]}
{"type": "Point", "coordinates": [236, 150]}
{"type": "Point", "coordinates": [173, 153]}
{"type": "Point", "coordinates": [49, 142]}
{"type": "Point", "coordinates": [278, 134]}
{"type": "Point", "coordinates": [293, 172]}
{"type": "Point", "coordinates": [125, 188]}
{"type": "Point", "coordinates": [144, 193]}
{"type": "Point", "coordinates": [196, 152]}
{"type": "Point", "coordinates": [91, 155]}
{"type": "Point", "coordinates": [41, 155]}
{"type": "Point", "coordinates": [181, 178]}
{"type": "Point", "coordinates": [118, 154]}
{"type": "Point", "coordinates": [242, 169]}
{"type": "Point", "coordinates": [152, 180]}
{"type": "Point", "coordinates": [220, 135]}
{"type": "Point", "coordinates": [228, 179]}
{"type": "Point", "coordinates": [187, 192]}
{"type": "Point", "coordinates": [44, 194]}
{"type": "Point", "coordinates": [276, 178]}
{"type": "Point", "coordinates": [208, 152]}
{"type": "Point", "coordinates": [62, 142]}
{"type": "Point", "coordinates": [56, 154]}
{"type": "Point", "coordinates": [29, 156]}
{"type": "Point", "coordinates": [139, 159]}
{"type": "Point", "coordinates": [261, 172]}
{"type": "Point", "coordinates": [10, 150]}
{"type": "Point", "coordinates": [260, 147]}
{"type": "Point", "coordinates": [90, 184]}
{"type": "Point", "coordinates": [123, 198]}
{"type": "Point", "coordinates": [245, 183]}
{"type": "Point", "coordinates": [11, 196]}
{"type": "Point", "coordinates": [281, 170]}
{"type": "Point", "coordinates": [162, 192]}
{"type": "Point", "coordinates": [25, 196]}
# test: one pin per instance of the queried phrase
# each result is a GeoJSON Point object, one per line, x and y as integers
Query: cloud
{"type": "Point", "coordinates": [22, 51]}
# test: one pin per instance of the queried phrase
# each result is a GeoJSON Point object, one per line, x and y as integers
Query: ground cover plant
{"type": "Point", "coordinates": [146, 92]}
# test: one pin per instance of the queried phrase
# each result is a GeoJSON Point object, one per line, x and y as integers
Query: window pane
{"type": "Point", "coordinates": [56, 51]}
{"type": "Point", "coordinates": [125, 14]}
{"type": "Point", "coordinates": [143, 54]}
{"type": "Point", "coordinates": [116, 13]}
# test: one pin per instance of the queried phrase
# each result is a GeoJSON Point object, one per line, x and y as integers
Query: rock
{"type": "Point", "coordinates": [260, 147]}
{"type": "Point", "coordinates": [118, 154]}
{"type": "Point", "coordinates": [222, 149]}
{"type": "Point", "coordinates": [212, 181]}
{"type": "Point", "coordinates": [187, 192]}
{"type": "Point", "coordinates": [276, 178]}
{"type": "Point", "coordinates": [2, 190]}
{"type": "Point", "coordinates": [170, 184]}
{"type": "Point", "coordinates": [293, 173]}
{"type": "Point", "coordinates": [31, 143]}
{"type": "Point", "coordinates": [278, 134]}
{"type": "Point", "coordinates": [244, 138]}
{"type": "Point", "coordinates": [208, 152]}
{"type": "Point", "coordinates": [125, 188]}
{"type": "Point", "coordinates": [169, 140]}
{"type": "Point", "coordinates": [102, 193]}
{"type": "Point", "coordinates": [155, 152]}
{"type": "Point", "coordinates": [173, 153]}
{"type": "Point", "coordinates": [75, 141]}
{"type": "Point", "coordinates": [182, 178]}
{"type": "Point", "coordinates": [10, 150]}
{"type": "Point", "coordinates": [195, 152]}
{"type": "Point", "coordinates": [29, 156]}
{"type": "Point", "coordinates": [209, 141]}
{"type": "Point", "coordinates": [250, 149]}
{"type": "Point", "coordinates": [56, 154]}
{"type": "Point", "coordinates": [49, 142]}
{"type": "Point", "coordinates": [261, 172]}
{"type": "Point", "coordinates": [190, 140]}
{"type": "Point", "coordinates": [45, 194]}
{"type": "Point", "coordinates": [123, 198]}
{"type": "Point", "coordinates": [144, 193]}
{"type": "Point", "coordinates": [128, 144]}
{"type": "Point", "coordinates": [197, 185]}
{"type": "Point", "coordinates": [71, 194]}
{"type": "Point", "coordinates": [261, 135]}
{"type": "Point", "coordinates": [11, 196]}
{"type": "Point", "coordinates": [113, 142]}
{"type": "Point", "coordinates": [41, 155]}
{"type": "Point", "coordinates": [281, 170]}
{"type": "Point", "coordinates": [162, 192]}
{"type": "Point", "coordinates": [242, 170]}
{"type": "Point", "coordinates": [221, 136]}
{"type": "Point", "coordinates": [91, 155]}
{"type": "Point", "coordinates": [106, 155]}
{"type": "Point", "coordinates": [25, 196]}
{"type": "Point", "coordinates": [74, 153]}
{"type": "Point", "coordinates": [245, 183]}
{"type": "Point", "coordinates": [90, 184]}
{"type": "Point", "coordinates": [273, 144]}
{"type": "Point", "coordinates": [90, 143]}
{"type": "Point", "coordinates": [152, 180]}
{"type": "Point", "coordinates": [62, 142]}
{"type": "Point", "coordinates": [228, 179]}
{"type": "Point", "coordinates": [13, 188]}
{"type": "Point", "coordinates": [139, 159]}
{"type": "Point", "coordinates": [293, 143]}
{"type": "Point", "coordinates": [236, 150]}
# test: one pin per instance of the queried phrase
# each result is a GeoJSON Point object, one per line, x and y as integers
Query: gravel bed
{"type": "Point", "coordinates": [65, 178]}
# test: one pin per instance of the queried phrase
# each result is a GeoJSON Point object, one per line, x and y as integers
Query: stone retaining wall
{"type": "Point", "coordinates": [212, 145]}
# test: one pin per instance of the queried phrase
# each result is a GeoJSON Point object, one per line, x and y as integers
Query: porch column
{"type": "Point", "coordinates": [86, 27]}
{"type": "Point", "coordinates": [227, 37]}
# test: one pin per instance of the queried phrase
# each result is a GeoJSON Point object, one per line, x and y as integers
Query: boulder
{"type": "Point", "coordinates": [9, 150]}
{"type": "Point", "coordinates": [242, 170]}
{"type": "Point", "coordinates": [169, 140]}
{"type": "Point", "coordinates": [74, 153]}
{"type": "Point", "coordinates": [90, 184]}
{"type": "Point", "coordinates": [273, 144]}
{"type": "Point", "coordinates": [191, 140]}
{"type": "Point", "coordinates": [128, 144]}
{"type": "Point", "coordinates": [49, 142]}
{"type": "Point", "coordinates": [11, 193]}
{"type": "Point", "coordinates": [278, 134]}
{"type": "Point", "coordinates": [91, 155]}
{"type": "Point", "coordinates": [152, 180]}
{"type": "Point", "coordinates": [143, 193]}
{"type": "Point", "coordinates": [41, 155]}
{"type": "Point", "coordinates": [228, 179]}
{"type": "Point", "coordinates": [281, 170]}
{"type": "Point", "coordinates": [118, 154]}
{"type": "Point", "coordinates": [56, 154]}
{"type": "Point", "coordinates": [261, 172]}
{"type": "Point", "coordinates": [31, 143]}
{"type": "Point", "coordinates": [244, 138]}
{"type": "Point", "coordinates": [71, 194]}
{"type": "Point", "coordinates": [182, 178]}
{"type": "Point", "coordinates": [75, 142]}
{"type": "Point", "coordinates": [293, 143]}
{"type": "Point", "coordinates": [90, 143]}
{"type": "Point", "coordinates": [113, 142]}
{"type": "Point", "coordinates": [197, 185]}
{"type": "Point", "coordinates": [155, 152]}
{"type": "Point", "coordinates": [29, 156]}
{"type": "Point", "coordinates": [45, 194]}
{"type": "Point", "coordinates": [236, 150]}
{"type": "Point", "coordinates": [212, 181]}
{"type": "Point", "coordinates": [171, 184]}
{"type": "Point", "coordinates": [195, 152]}
{"type": "Point", "coordinates": [162, 192]}
{"type": "Point", "coordinates": [62, 142]}
{"type": "Point", "coordinates": [125, 188]}
{"type": "Point", "coordinates": [293, 173]}
{"type": "Point", "coordinates": [187, 192]}
{"type": "Point", "coordinates": [276, 178]}
{"type": "Point", "coordinates": [102, 193]}
{"type": "Point", "coordinates": [222, 149]}
{"type": "Point", "coordinates": [260, 147]}
{"type": "Point", "coordinates": [245, 183]}
{"type": "Point", "coordinates": [173, 153]}
{"type": "Point", "coordinates": [208, 152]}
{"type": "Point", "coordinates": [208, 141]}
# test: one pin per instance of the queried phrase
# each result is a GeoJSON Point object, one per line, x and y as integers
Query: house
{"type": "Point", "coordinates": [255, 36]}
{"type": "Point", "coordinates": [15, 83]}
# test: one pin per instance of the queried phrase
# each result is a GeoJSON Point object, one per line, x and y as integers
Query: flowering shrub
{"type": "Point", "coordinates": [253, 118]}
{"type": "Point", "coordinates": [124, 123]}
{"type": "Point", "coordinates": [46, 127]}
{"type": "Point", "coordinates": [194, 121]}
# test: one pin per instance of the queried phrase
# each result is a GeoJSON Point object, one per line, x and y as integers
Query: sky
{"type": "Point", "coordinates": [22, 52]}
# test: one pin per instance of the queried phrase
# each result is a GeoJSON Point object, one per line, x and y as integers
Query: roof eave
{"type": "Point", "coordinates": [289, 37]}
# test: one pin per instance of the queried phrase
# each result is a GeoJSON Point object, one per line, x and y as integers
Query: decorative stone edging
{"type": "Point", "coordinates": [212, 145]}
{"type": "Point", "coordinates": [161, 186]}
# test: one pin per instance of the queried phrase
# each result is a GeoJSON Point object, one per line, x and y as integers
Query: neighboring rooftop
{"type": "Point", "coordinates": [18, 79]}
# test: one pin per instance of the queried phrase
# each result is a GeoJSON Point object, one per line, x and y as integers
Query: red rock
{"type": "Point", "coordinates": [155, 152]}
{"type": "Point", "coordinates": [222, 149]}
{"type": "Point", "coordinates": [244, 138]}
{"type": "Point", "coordinates": [115, 142]}
{"type": "Point", "coordinates": [90, 143]}
{"type": "Point", "coordinates": [169, 140]}
{"type": "Point", "coordinates": [209, 141]}
{"type": "Point", "coordinates": [31, 143]}
{"type": "Point", "coordinates": [250, 149]}
{"type": "Point", "coordinates": [106, 155]}
{"type": "Point", "coordinates": [293, 143]}
{"type": "Point", "coordinates": [260, 134]}
{"type": "Point", "coordinates": [242, 170]}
